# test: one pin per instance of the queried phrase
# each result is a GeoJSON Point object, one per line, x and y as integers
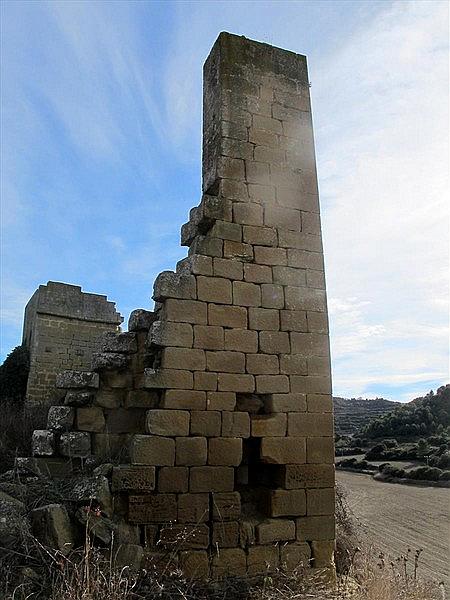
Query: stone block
{"type": "Point", "coordinates": [226, 506]}
{"type": "Point", "coordinates": [320, 501]}
{"type": "Point", "coordinates": [185, 311]}
{"type": "Point", "coordinates": [310, 344]}
{"type": "Point", "coordinates": [90, 418]}
{"type": "Point", "coordinates": [167, 422]}
{"type": "Point", "coordinates": [168, 378]}
{"type": "Point", "coordinates": [262, 236]}
{"type": "Point", "coordinates": [257, 273]}
{"type": "Point", "coordinates": [262, 364]}
{"type": "Point", "coordinates": [225, 534]}
{"type": "Point", "coordinates": [226, 231]}
{"type": "Point", "coordinates": [184, 399]}
{"type": "Point", "coordinates": [172, 285]}
{"type": "Point", "coordinates": [191, 359]}
{"type": "Point", "coordinates": [220, 401]}
{"type": "Point", "coordinates": [242, 340]}
{"type": "Point", "coordinates": [323, 553]}
{"type": "Point", "coordinates": [274, 342]}
{"type": "Point", "coordinates": [207, 246]}
{"type": "Point", "coordinates": [206, 423]}
{"type": "Point", "coordinates": [127, 478]}
{"type": "Point", "coordinates": [238, 251]}
{"type": "Point", "coordinates": [303, 298]}
{"type": "Point", "coordinates": [228, 268]}
{"type": "Point", "coordinates": [310, 424]}
{"type": "Point", "coordinates": [229, 562]}
{"type": "Point", "coordinates": [152, 450]}
{"type": "Point", "coordinates": [316, 528]}
{"type": "Point", "coordinates": [194, 564]}
{"type": "Point", "coordinates": [156, 508]}
{"type": "Point", "coordinates": [287, 503]}
{"type": "Point", "coordinates": [319, 403]}
{"type": "Point", "coordinates": [289, 276]}
{"type": "Point", "coordinates": [272, 296]}
{"type": "Point", "coordinates": [225, 361]}
{"type": "Point", "coordinates": [286, 403]}
{"type": "Point", "coordinates": [205, 381]}
{"type": "Point", "coordinates": [193, 508]}
{"type": "Point", "coordinates": [293, 364]}
{"type": "Point", "coordinates": [123, 343]}
{"type": "Point", "coordinates": [235, 424]}
{"type": "Point", "coordinates": [227, 316]}
{"type": "Point", "coordinates": [262, 560]}
{"type": "Point", "coordinates": [275, 530]}
{"type": "Point", "coordinates": [317, 322]}
{"type": "Point", "coordinates": [319, 365]}
{"type": "Point", "coordinates": [306, 476]}
{"type": "Point", "coordinates": [191, 451]}
{"type": "Point", "coordinates": [282, 218]}
{"type": "Point", "coordinates": [74, 398]}
{"type": "Point", "coordinates": [269, 425]}
{"type": "Point", "coordinates": [246, 294]}
{"type": "Point", "coordinates": [320, 450]}
{"type": "Point", "coordinates": [173, 480]}
{"type": "Point", "coordinates": [129, 555]}
{"type": "Point", "coordinates": [195, 265]}
{"type": "Point", "coordinates": [239, 383]}
{"type": "Point", "coordinates": [214, 289]}
{"type": "Point", "coordinates": [51, 525]}
{"type": "Point", "coordinates": [89, 491]}
{"type": "Point", "coordinates": [167, 333]}
{"type": "Point", "coordinates": [60, 418]}
{"type": "Point", "coordinates": [208, 337]}
{"type": "Point", "coordinates": [315, 279]}
{"type": "Point", "coordinates": [211, 479]}
{"type": "Point", "coordinates": [272, 384]}
{"type": "Point", "coordinates": [75, 444]}
{"type": "Point", "coordinates": [265, 255]}
{"type": "Point", "coordinates": [141, 320]}
{"type": "Point", "coordinates": [248, 213]}
{"type": "Point", "coordinates": [141, 399]}
{"type": "Point", "coordinates": [282, 451]}
{"type": "Point", "coordinates": [300, 241]}
{"type": "Point", "coordinates": [295, 556]}
{"type": "Point", "coordinates": [311, 384]}
{"type": "Point", "coordinates": [77, 380]}
{"type": "Point", "coordinates": [225, 451]}
{"type": "Point", "coordinates": [264, 319]}
{"type": "Point", "coordinates": [293, 320]}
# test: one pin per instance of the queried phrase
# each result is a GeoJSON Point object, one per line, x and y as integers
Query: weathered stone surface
{"type": "Point", "coordinates": [275, 530]}
{"type": "Point", "coordinates": [75, 444]}
{"type": "Point", "coordinates": [173, 285]}
{"type": "Point", "coordinates": [43, 442]}
{"type": "Point", "coordinates": [129, 555]}
{"type": "Point", "coordinates": [79, 398]}
{"type": "Point", "coordinates": [127, 478]}
{"type": "Point", "coordinates": [193, 508]}
{"type": "Point", "coordinates": [173, 480]}
{"type": "Point", "coordinates": [124, 343]}
{"type": "Point", "coordinates": [211, 479]}
{"type": "Point", "coordinates": [295, 556]}
{"type": "Point", "coordinates": [141, 399]}
{"type": "Point", "coordinates": [229, 562]}
{"type": "Point", "coordinates": [263, 560]}
{"type": "Point", "coordinates": [185, 536]}
{"type": "Point", "coordinates": [141, 320]}
{"type": "Point", "coordinates": [323, 553]}
{"type": "Point", "coordinates": [168, 422]}
{"type": "Point", "coordinates": [51, 525]}
{"type": "Point", "coordinates": [160, 508]}
{"type": "Point", "coordinates": [194, 564]}
{"type": "Point", "coordinates": [269, 425]}
{"type": "Point", "coordinates": [281, 451]}
{"type": "Point", "coordinates": [287, 503]}
{"type": "Point", "coordinates": [60, 418]}
{"type": "Point", "coordinates": [77, 380]}
{"type": "Point", "coordinates": [320, 501]}
{"type": "Point", "coordinates": [90, 419]}
{"type": "Point", "coordinates": [152, 450]}
{"type": "Point", "coordinates": [316, 528]}
{"type": "Point", "coordinates": [304, 476]}
{"type": "Point", "coordinates": [91, 491]}
{"type": "Point", "coordinates": [226, 506]}
{"type": "Point", "coordinates": [225, 451]}
{"type": "Point", "coordinates": [109, 361]}
{"type": "Point", "coordinates": [191, 451]}
{"type": "Point", "coordinates": [225, 534]}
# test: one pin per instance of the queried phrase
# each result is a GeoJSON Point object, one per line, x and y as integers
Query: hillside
{"type": "Point", "coordinates": [423, 416]}
{"type": "Point", "coordinates": [352, 414]}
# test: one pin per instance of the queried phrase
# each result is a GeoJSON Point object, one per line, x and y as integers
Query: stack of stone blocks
{"type": "Point", "coordinates": [217, 405]}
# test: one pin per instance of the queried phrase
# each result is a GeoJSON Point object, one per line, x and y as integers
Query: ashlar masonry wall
{"type": "Point", "coordinates": [62, 325]}
{"type": "Point", "coordinates": [219, 401]}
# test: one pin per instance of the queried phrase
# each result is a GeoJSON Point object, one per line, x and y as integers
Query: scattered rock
{"type": "Point", "coordinates": [60, 418]}
{"type": "Point", "coordinates": [51, 525]}
{"type": "Point", "coordinates": [43, 442]}
{"type": "Point", "coordinates": [75, 443]}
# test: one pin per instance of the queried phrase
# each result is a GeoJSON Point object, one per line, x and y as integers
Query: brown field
{"type": "Point", "coordinates": [396, 517]}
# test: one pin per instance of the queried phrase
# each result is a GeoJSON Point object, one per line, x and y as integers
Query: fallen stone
{"type": "Point", "coordinates": [77, 380]}
{"type": "Point", "coordinates": [141, 320]}
{"type": "Point", "coordinates": [109, 361]}
{"type": "Point", "coordinates": [60, 418]}
{"type": "Point", "coordinates": [51, 525]}
{"type": "Point", "coordinates": [75, 443]}
{"type": "Point", "coordinates": [124, 343]}
{"type": "Point", "coordinates": [78, 398]}
{"type": "Point", "coordinates": [43, 442]}
{"type": "Point", "coordinates": [91, 491]}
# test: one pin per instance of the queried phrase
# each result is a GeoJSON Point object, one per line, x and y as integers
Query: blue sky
{"type": "Point", "coordinates": [101, 146]}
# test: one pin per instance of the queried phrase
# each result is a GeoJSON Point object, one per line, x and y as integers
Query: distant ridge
{"type": "Point", "coordinates": [351, 414]}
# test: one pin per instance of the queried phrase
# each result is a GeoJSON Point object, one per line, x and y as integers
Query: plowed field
{"type": "Point", "coordinates": [396, 517]}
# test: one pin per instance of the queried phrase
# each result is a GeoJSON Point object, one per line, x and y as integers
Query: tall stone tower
{"type": "Point", "coordinates": [223, 394]}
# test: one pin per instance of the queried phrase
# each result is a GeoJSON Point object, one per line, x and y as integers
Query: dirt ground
{"type": "Point", "coordinates": [395, 517]}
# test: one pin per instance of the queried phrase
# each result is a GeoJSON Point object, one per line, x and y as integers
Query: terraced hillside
{"type": "Point", "coordinates": [350, 414]}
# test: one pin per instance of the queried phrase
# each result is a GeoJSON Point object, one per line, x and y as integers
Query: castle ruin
{"type": "Point", "coordinates": [216, 407]}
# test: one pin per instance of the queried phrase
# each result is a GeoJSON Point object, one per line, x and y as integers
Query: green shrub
{"type": "Point", "coordinates": [14, 375]}
{"type": "Point", "coordinates": [425, 473]}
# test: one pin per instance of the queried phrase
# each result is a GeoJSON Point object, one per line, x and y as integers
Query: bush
{"type": "Point", "coordinates": [14, 376]}
{"type": "Point", "coordinates": [445, 476]}
{"type": "Point", "coordinates": [425, 473]}
{"type": "Point", "coordinates": [391, 471]}
{"type": "Point", "coordinates": [376, 452]}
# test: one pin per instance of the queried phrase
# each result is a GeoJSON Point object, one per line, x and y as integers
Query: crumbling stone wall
{"type": "Point", "coordinates": [61, 327]}
{"type": "Point", "coordinates": [218, 403]}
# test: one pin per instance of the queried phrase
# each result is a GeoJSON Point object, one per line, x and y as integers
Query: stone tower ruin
{"type": "Point", "coordinates": [217, 405]}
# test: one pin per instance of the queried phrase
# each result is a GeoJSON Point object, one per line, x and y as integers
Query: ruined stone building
{"type": "Point", "coordinates": [216, 407]}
